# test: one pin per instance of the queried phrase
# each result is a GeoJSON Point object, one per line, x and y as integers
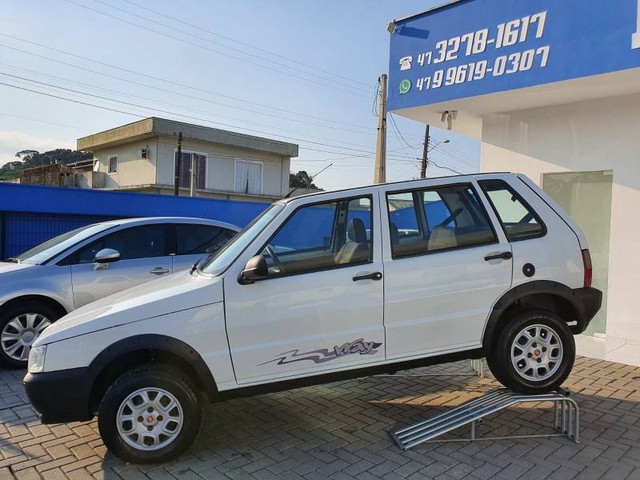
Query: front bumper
{"type": "Point", "coordinates": [588, 301]}
{"type": "Point", "coordinates": [61, 396]}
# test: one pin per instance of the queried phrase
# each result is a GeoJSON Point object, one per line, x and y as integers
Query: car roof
{"type": "Point", "coordinates": [408, 183]}
{"type": "Point", "coordinates": [150, 220]}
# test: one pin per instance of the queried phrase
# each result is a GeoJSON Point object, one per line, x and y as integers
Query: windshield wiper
{"type": "Point", "coordinates": [12, 260]}
{"type": "Point", "coordinates": [194, 266]}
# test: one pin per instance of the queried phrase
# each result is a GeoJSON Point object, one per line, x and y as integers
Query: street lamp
{"type": "Point", "coordinates": [425, 152]}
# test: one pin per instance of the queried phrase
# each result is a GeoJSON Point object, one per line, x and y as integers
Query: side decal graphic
{"type": "Point", "coordinates": [322, 355]}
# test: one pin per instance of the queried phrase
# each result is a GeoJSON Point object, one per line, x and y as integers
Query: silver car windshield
{"type": "Point", "coordinates": [56, 245]}
{"type": "Point", "coordinates": [220, 261]}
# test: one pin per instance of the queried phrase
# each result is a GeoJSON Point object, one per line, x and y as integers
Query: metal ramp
{"type": "Point", "coordinates": [566, 418]}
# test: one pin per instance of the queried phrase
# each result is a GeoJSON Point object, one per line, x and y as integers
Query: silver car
{"type": "Point", "coordinates": [78, 267]}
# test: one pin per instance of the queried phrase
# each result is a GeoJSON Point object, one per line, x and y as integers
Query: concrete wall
{"type": "Point", "coordinates": [132, 170]}
{"type": "Point", "coordinates": [221, 165]}
{"type": "Point", "coordinates": [592, 135]}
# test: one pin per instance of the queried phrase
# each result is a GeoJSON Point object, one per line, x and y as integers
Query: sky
{"type": "Point", "coordinates": [305, 72]}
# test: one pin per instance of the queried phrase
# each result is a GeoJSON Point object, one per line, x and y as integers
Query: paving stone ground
{"type": "Point", "coordinates": [341, 431]}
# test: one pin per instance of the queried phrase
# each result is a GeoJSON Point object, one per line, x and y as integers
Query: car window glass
{"type": "Point", "coordinates": [435, 210]}
{"type": "Point", "coordinates": [518, 219]}
{"type": "Point", "coordinates": [403, 220]}
{"type": "Point", "coordinates": [200, 239]}
{"type": "Point", "coordinates": [322, 236]}
{"type": "Point", "coordinates": [136, 242]}
{"type": "Point", "coordinates": [442, 218]}
{"type": "Point", "coordinates": [54, 246]}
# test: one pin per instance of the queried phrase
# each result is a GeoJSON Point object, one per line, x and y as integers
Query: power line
{"type": "Point", "coordinates": [71, 100]}
{"type": "Point", "coordinates": [239, 42]}
{"type": "Point", "coordinates": [191, 117]}
{"type": "Point", "coordinates": [181, 106]}
{"type": "Point", "coordinates": [152, 77]}
{"type": "Point", "coordinates": [353, 91]}
{"type": "Point", "coordinates": [39, 120]}
{"type": "Point", "coordinates": [342, 151]}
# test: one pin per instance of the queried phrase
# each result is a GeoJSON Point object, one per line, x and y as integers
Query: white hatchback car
{"type": "Point", "coordinates": [46, 282]}
{"type": "Point", "coordinates": [326, 287]}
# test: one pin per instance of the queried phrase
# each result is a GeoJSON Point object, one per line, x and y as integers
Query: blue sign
{"type": "Point", "coordinates": [477, 47]}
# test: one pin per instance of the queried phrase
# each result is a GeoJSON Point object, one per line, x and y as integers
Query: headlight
{"type": "Point", "coordinates": [36, 358]}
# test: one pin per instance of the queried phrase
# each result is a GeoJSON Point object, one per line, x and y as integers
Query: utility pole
{"type": "Point", "coordinates": [380, 172]}
{"type": "Point", "coordinates": [193, 175]}
{"type": "Point", "coordinates": [176, 176]}
{"type": "Point", "coordinates": [425, 153]}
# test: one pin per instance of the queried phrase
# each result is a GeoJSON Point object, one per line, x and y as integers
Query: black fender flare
{"type": "Point", "coordinates": [155, 342]}
{"type": "Point", "coordinates": [546, 287]}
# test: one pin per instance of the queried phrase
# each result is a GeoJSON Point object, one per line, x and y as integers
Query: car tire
{"type": "Point", "coordinates": [150, 414]}
{"type": "Point", "coordinates": [20, 326]}
{"type": "Point", "coordinates": [534, 354]}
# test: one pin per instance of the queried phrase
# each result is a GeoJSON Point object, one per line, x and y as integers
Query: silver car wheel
{"type": "Point", "coordinates": [149, 419]}
{"type": "Point", "coordinates": [20, 332]}
{"type": "Point", "coordinates": [536, 352]}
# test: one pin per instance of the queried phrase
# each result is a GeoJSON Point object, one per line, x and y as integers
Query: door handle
{"type": "Point", "coordinates": [159, 271]}
{"type": "Point", "coordinates": [368, 276]}
{"type": "Point", "coordinates": [499, 256]}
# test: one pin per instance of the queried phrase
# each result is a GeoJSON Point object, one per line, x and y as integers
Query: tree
{"type": "Point", "coordinates": [301, 180]}
{"type": "Point", "coordinates": [26, 155]}
{"type": "Point", "coordinates": [33, 158]}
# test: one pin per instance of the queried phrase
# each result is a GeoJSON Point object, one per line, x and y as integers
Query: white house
{"type": "Point", "coordinates": [141, 157]}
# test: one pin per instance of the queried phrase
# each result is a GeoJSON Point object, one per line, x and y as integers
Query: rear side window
{"type": "Point", "coordinates": [201, 239]}
{"type": "Point", "coordinates": [518, 219]}
{"type": "Point", "coordinates": [437, 219]}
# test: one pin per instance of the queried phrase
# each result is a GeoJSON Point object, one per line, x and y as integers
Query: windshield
{"type": "Point", "coordinates": [52, 247]}
{"type": "Point", "coordinates": [220, 261]}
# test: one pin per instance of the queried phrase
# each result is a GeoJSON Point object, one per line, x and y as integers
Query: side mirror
{"type": "Point", "coordinates": [255, 269]}
{"type": "Point", "coordinates": [107, 255]}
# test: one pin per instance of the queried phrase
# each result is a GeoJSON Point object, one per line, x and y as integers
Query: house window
{"type": "Point", "coordinates": [248, 177]}
{"type": "Point", "coordinates": [113, 164]}
{"type": "Point", "coordinates": [185, 169]}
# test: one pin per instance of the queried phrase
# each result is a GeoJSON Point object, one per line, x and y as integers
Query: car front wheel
{"type": "Point", "coordinates": [20, 326]}
{"type": "Point", "coordinates": [534, 353]}
{"type": "Point", "coordinates": [150, 414]}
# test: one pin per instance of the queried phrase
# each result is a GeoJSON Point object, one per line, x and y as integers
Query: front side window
{"type": "Point", "coordinates": [113, 164]}
{"type": "Point", "coordinates": [518, 219]}
{"type": "Point", "coordinates": [322, 236]}
{"type": "Point", "coordinates": [47, 250]}
{"type": "Point", "coordinates": [441, 218]}
{"type": "Point", "coordinates": [137, 242]}
{"type": "Point", "coordinates": [201, 239]}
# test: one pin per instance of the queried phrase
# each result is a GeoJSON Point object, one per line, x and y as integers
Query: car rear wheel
{"type": "Point", "coordinates": [534, 354]}
{"type": "Point", "coordinates": [150, 414]}
{"type": "Point", "coordinates": [20, 326]}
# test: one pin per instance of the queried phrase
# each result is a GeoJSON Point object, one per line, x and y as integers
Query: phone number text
{"type": "Point", "coordinates": [502, 65]}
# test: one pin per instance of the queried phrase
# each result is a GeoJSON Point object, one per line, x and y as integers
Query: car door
{"type": "Point", "coordinates": [143, 257]}
{"type": "Point", "coordinates": [320, 307]}
{"type": "Point", "coordinates": [194, 241]}
{"type": "Point", "coordinates": [445, 266]}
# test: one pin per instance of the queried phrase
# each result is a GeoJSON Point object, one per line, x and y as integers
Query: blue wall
{"type": "Point", "coordinates": [31, 214]}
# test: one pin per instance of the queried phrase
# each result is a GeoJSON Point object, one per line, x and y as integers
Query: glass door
{"type": "Point", "coordinates": [586, 196]}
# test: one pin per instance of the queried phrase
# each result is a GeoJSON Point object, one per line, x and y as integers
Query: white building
{"type": "Point", "coordinates": [141, 156]}
{"type": "Point", "coordinates": [551, 89]}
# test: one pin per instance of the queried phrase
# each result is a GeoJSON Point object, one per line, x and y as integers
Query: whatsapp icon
{"type": "Point", "coordinates": [405, 86]}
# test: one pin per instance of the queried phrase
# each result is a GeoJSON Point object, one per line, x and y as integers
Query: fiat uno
{"type": "Point", "coordinates": [326, 287]}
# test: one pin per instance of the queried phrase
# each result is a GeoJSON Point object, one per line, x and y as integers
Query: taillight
{"type": "Point", "coordinates": [588, 269]}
